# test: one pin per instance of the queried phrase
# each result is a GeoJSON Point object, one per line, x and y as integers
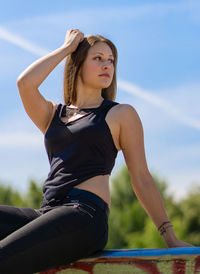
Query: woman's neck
{"type": "Point", "coordinates": [84, 103]}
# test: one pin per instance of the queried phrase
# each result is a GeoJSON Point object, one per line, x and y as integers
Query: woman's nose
{"type": "Point", "coordinates": [107, 64]}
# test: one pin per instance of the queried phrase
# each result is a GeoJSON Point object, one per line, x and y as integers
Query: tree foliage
{"type": "Point", "coordinates": [32, 198]}
{"type": "Point", "coordinates": [129, 224]}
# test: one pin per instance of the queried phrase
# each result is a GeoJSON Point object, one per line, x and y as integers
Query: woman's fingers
{"type": "Point", "coordinates": [73, 38]}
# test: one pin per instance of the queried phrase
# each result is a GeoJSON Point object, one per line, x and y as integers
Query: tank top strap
{"type": "Point", "coordinates": [108, 104]}
{"type": "Point", "coordinates": [59, 110]}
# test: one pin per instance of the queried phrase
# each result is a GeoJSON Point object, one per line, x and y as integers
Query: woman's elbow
{"type": "Point", "coordinates": [22, 83]}
{"type": "Point", "coordinates": [19, 82]}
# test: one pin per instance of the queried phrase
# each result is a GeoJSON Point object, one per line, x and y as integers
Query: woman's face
{"type": "Point", "coordinates": [99, 61]}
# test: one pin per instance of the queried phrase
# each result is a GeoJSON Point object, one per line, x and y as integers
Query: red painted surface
{"type": "Point", "coordinates": [197, 265]}
{"type": "Point", "coordinates": [179, 267]}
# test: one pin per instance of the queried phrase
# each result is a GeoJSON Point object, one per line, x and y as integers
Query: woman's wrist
{"type": "Point", "coordinates": [66, 49]}
{"type": "Point", "coordinates": [167, 232]}
{"type": "Point", "coordinates": [169, 236]}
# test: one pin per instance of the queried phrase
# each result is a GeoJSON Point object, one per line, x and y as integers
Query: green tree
{"type": "Point", "coordinates": [123, 209]}
{"type": "Point", "coordinates": [189, 224]}
{"type": "Point", "coordinates": [129, 224]}
{"type": "Point", "coordinates": [33, 197]}
{"type": "Point", "coordinates": [9, 196]}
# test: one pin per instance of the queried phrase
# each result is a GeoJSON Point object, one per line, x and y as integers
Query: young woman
{"type": "Point", "coordinates": [82, 138]}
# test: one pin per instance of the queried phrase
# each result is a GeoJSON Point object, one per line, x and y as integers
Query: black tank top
{"type": "Point", "coordinates": [78, 150]}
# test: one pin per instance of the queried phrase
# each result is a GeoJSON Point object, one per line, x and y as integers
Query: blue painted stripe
{"type": "Point", "coordinates": [150, 252]}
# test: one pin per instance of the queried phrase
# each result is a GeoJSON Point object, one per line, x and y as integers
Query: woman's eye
{"type": "Point", "coordinates": [112, 61]}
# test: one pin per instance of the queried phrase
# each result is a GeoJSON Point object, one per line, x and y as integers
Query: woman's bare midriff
{"type": "Point", "coordinates": [99, 185]}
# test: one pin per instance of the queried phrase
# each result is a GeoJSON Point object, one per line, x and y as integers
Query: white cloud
{"type": "Point", "coordinates": [179, 177]}
{"type": "Point", "coordinates": [124, 85]}
{"type": "Point", "coordinates": [186, 96]}
{"type": "Point", "coordinates": [163, 104]}
{"type": "Point", "coordinates": [21, 42]}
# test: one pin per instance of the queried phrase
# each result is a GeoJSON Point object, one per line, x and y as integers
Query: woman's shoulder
{"type": "Point", "coordinates": [126, 114]}
{"type": "Point", "coordinates": [125, 109]}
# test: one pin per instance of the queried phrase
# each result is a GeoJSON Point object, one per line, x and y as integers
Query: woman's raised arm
{"type": "Point", "coordinates": [132, 144]}
{"type": "Point", "coordinates": [37, 107]}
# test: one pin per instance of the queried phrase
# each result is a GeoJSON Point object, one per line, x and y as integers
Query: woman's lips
{"type": "Point", "coordinates": [105, 75]}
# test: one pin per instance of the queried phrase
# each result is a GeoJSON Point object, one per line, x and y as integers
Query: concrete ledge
{"type": "Point", "coordinates": [136, 261]}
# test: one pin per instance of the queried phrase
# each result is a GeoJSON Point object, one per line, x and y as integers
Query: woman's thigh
{"type": "Point", "coordinates": [12, 218]}
{"type": "Point", "coordinates": [60, 236]}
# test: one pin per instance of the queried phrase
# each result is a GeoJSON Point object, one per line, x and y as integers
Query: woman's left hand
{"type": "Point", "coordinates": [178, 243]}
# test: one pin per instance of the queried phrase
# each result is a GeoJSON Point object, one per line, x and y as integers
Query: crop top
{"type": "Point", "coordinates": [77, 150]}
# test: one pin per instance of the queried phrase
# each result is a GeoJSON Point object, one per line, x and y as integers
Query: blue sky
{"type": "Point", "coordinates": [158, 73]}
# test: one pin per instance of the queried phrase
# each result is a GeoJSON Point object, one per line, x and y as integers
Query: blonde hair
{"type": "Point", "coordinates": [74, 62]}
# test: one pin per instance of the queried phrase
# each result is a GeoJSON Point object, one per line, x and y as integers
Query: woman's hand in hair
{"type": "Point", "coordinates": [72, 39]}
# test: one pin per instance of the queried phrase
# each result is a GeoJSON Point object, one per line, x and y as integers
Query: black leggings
{"type": "Point", "coordinates": [34, 240]}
